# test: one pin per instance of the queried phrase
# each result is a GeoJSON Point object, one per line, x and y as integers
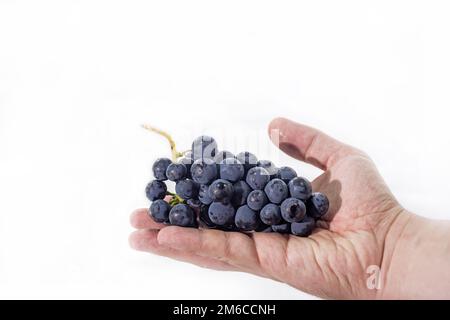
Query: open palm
{"type": "Point", "coordinates": [332, 262]}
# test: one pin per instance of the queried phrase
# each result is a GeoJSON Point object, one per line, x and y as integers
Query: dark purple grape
{"type": "Point", "coordinates": [271, 214]}
{"type": "Point", "coordinates": [159, 168]}
{"type": "Point", "coordinates": [221, 214]}
{"type": "Point", "coordinates": [293, 210]}
{"type": "Point", "coordinates": [257, 199]}
{"type": "Point", "coordinates": [176, 171]}
{"type": "Point", "coordinates": [187, 189]}
{"type": "Point", "coordinates": [221, 191]}
{"type": "Point", "coordinates": [182, 215]}
{"type": "Point", "coordinates": [204, 171]}
{"type": "Point", "coordinates": [286, 174]}
{"type": "Point", "coordinates": [231, 169]}
{"type": "Point", "coordinates": [203, 194]}
{"type": "Point", "coordinates": [257, 178]}
{"type": "Point", "coordinates": [246, 219]}
{"type": "Point", "coordinates": [303, 228]}
{"type": "Point", "coordinates": [156, 190]}
{"type": "Point", "coordinates": [159, 211]}
{"type": "Point", "coordinates": [317, 205]}
{"type": "Point", "coordinates": [277, 191]}
{"type": "Point", "coordinates": [300, 188]}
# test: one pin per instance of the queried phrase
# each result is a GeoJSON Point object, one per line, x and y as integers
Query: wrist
{"type": "Point", "coordinates": [416, 258]}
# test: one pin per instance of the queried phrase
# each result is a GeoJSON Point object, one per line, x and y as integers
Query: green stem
{"type": "Point", "coordinates": [176, 199]}
{"type": "Point", "coordinates": [175, 153]}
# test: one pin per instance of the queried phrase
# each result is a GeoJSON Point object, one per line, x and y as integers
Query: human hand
{"type": "Point", "coordinates": [360, 230]}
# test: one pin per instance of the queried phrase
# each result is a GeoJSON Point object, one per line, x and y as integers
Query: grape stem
{"type": "Point", "coordinates": [176, 199]}
{"type": "Point", "coordinates": [175, 153]}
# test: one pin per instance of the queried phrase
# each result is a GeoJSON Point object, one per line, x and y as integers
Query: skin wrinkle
{"type": "Point", "coordinates": [255, 256]}
{"type": "Point", "coordinates": [389, 227]}
{"type": "Point", "coordinates": [290, 252]}
{"type": "Point", "coordinates": [265, 267]}
{"type": "Point", "coordinates": [310, 146]}
{"type": "Point", "coordinates": [314, 249]}
{"type": "Point", "coordinates": [339, 155]}
{"type": "Point", "coordinates": [358, 259]}
{"type": "Point", "coordinates": [225, 257]}
{"type": "Point", "coordinates": [327, 265]}
{"type": "Point", "coordinates": [227, 249]}
{"type": "Point", "coordinates": [388, 267]}
{"type": "Point", "coordinates": [287, 262]}
{"type": "Point", "coordinates": [314, 261]}
{"type": "Point", "coordinates": [338, 247]}
{"type": "Point", "coordinates": [269, 267]}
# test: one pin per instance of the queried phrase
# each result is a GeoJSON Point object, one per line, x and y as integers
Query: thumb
{"type": "Point", "coordinates": [308, 144]}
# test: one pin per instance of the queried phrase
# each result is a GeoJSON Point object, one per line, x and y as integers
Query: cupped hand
{"type": "Point", "coordinates": [358, 233]}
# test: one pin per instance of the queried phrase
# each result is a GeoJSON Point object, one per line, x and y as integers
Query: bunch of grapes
{"type": "Point", "coordinates": [217, 189]}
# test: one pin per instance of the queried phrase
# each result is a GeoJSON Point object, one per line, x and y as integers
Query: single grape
{"type": "Point", "coordinates": [248, 159]}
{"type": "Point", "coordinates": [231, 170]}
{"type": "Point", "coordinates": [204, 171]}
{"type": "Point", "coordinates": [156, 190]}
{"type": "Point", "coordinates": [270, 167]}
{"type": "Point", "coordinates": [222, 155]}
{"type": "Point", "coordinates": [317, 205]}
{"type": "Point", "coordinates": [271, 214]}
{"type": "Point", "coordinates": [257, 199]}
{"type": "Point", "coordinates": [286, 174]}
{"type": "Point", "coordinates": [282, 228]}
{"type": "Point", "coordinates": [293, 210]}
{"type": "Point", "coordinates": [221, 214]}
{"type": "Point", "coordinates": [303, 228]}
{"type": "Point", "coordinates": [176, 171]}
{"type": "Point", "coordinates": [277, 191]}
{"type": "Point", "coordinates": [204, 147]}
{"type": "Point", "coordinates": [241, 192]}
{"type": "Point", "coordinates": [187, 189]}
{"type": "Point", "coordinates": [182, 215]}
{"type": "Point", "coordinates": [257, 178]}
{"type": "Point", "coordinates": [246, 219]}
{"type": "Point", "coordinates": [203, 195]}
{"type": "Point", "coordinates": [159, 168]}
{"type": "Point", "coordinates": [221, 191]}
{"type": "Point", "coordinates": [159, 211]}
{"type": "Point", "coordinates": [300, 188]}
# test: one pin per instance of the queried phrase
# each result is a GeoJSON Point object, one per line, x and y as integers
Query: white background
{"type": "Point", "coordinates": [77, 78]}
